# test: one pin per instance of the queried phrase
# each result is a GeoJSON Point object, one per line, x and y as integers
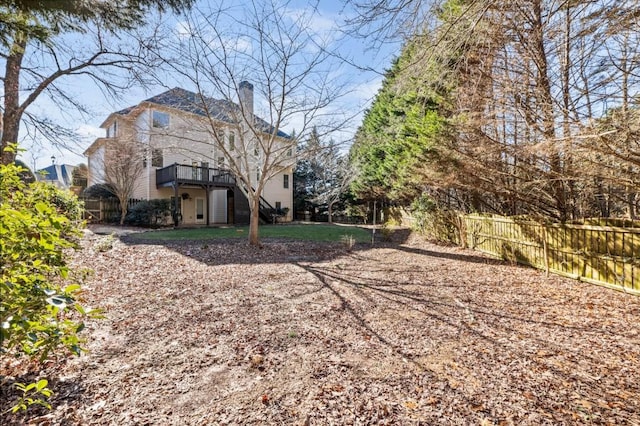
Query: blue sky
{"type": "Point", "coordinates": [328, 22]}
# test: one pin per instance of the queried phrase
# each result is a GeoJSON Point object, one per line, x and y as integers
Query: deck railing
{"type": "Point", "coordinates": [197, 175]}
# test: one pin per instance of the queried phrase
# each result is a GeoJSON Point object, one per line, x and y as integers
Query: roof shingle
{"type": "Point", "coordinates": [191, 102]}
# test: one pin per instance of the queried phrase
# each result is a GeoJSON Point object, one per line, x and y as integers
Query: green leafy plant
{"type": "Point", "coordinates": [105, 244]}
{"type": "Point", "coordinates": [433, 221]}
{"type": "Point", "coordinates": [349, 241]}
{"type": "Point", "coordinates": [39, 309]}
{"type": "Point", "coordinates": [33, 394]}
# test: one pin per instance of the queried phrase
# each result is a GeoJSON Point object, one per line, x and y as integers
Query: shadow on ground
{"type": "Point", "coordinates": [222, 251]}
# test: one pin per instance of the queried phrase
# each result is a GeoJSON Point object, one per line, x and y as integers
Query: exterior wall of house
{"type": "Point", "coordinates": [275, 192]}
{"type": "Point", "coordinates": [219, 206]}
{"type": "Point", "coordinates": [95, 164]}
{"type": "Point", "coordinates": [145, 187]}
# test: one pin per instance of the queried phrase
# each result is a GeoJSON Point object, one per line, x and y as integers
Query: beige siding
{"type": "Point", "coordinates": [219, 208]}
{"type": "Point", "coordinates": [274, 191]}
{"type": "Point", "coordinates": [96, 166]}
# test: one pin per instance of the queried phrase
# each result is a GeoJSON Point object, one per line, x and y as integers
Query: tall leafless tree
{"type": "Point", "coordinates": [123, 162]}
{"type": "Point", "coordinates": [273, 46]}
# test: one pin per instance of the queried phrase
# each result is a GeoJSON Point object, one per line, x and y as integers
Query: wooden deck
{"type": "Point", "coordinates": [182, 174]}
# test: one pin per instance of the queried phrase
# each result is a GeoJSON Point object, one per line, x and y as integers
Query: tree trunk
{"type": "Point", "coordinates": [631, 203]}
{"type": "Point", "coordinates": [12, 111]}
{"type": "Point", "coordinates": [545, 96]}
{"type": "Point", "coordinates": [330, 212]}
{"type": "Point", "coordinates": [254, 204]}
{"type": "Point", "coordinates": [123, 213]}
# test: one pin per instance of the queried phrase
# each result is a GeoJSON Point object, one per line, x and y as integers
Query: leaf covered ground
{"type": "Point", "coordinates": [302, 333]}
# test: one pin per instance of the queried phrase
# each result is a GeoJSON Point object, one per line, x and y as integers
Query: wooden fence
{"type": "Point", "coordinates": [99, 210]}
{"type": "Point", "coordinates": [603, 255]}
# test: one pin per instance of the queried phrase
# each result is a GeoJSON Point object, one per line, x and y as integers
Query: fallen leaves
{"type": "Point", "coordinates": [304, 333]}
{"type": "Point", "coordinates": [410, 405]}
{"type": "Point", "coordinates": [264, 399]}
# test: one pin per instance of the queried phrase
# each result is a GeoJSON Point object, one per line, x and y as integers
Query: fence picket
{"type": "Point", "coordinates": [98, 210]}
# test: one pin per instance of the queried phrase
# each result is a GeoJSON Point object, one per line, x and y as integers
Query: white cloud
{"type": "Point", "coordinates": [367, 90]}
{"type": "Point", "coordinates": [241, 44]}
{"type": "Point", "coordinates": [88, 131]}
{"type": "Point", "coordinates": [183, 29]}
{"type": "Point", "coordinates": [324, 27]}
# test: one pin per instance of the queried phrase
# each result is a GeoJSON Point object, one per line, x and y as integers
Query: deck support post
{"type": "Point", "coordinates": [175, 204]}
{"type": "Point", "coordinates": [207, 191]}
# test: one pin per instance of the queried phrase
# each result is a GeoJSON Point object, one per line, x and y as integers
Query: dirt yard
{"type": "Point", "coordinates": [297, 333]}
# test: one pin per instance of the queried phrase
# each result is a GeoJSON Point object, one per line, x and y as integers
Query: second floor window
{"type": "Point", "coordinates": [285, 182]}
{"type": "Point", "coordinates": [160, 120]}
{"type": "Point", "coordinates": [112, 130]}
{"type": "Point", "coordinates": [156, 158]}
{"type": "Point", "coordinates": [232, 141]}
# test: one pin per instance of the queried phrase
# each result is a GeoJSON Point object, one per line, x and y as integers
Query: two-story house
{"type": "Point", "coordinates": [185, 142]}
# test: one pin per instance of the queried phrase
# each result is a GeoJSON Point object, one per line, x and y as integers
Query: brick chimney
{"type": "Point", "coordinates": [246, 97]}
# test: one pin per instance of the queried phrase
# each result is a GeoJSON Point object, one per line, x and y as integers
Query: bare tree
{"type": "Point", "coordinates": [123, 162]}
{"type": "Point", "coordinates": [338, 178]}
{"type": "Point", "coordinates": [294, 82]}
{"type": "Point", "coordinates": [325, 172]}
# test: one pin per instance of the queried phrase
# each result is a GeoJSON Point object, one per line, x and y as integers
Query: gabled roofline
{"type": "Point", "coordinates": [172, 96]}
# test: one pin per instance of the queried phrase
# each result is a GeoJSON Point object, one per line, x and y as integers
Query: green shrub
{"type": "Point", "coordinates": [99, 190]}
{"type": "Point", "coordinates": [149, 213]}
{"type": "Point", "coordinates": [349, 241]}
{"type": "Point", "coordinates": [39, 311]}
{"type": "Point", "coordinates": [386, 232]}
{"type": "Point", "coordinates": [432, 221]}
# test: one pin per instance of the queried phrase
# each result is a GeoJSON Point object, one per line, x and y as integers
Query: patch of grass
{"type": "Point", "coordinates": [305, 232]}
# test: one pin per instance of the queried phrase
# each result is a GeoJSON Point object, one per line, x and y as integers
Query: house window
{"type": "Point", "coordinates": [285, 182]}
{"type": "Point", "coordinates": [232, 141]}
{"type": "Point", "coordinates": [278, 205]}
{"type": "Point", "coordinates": [160, 120]}
{"type": "Point", "coordinates": [289, 152]}
{"type": "Point", "coordinates": [221, 162]}
{"type": "Point", "coordinates": [112, 130]}
{"type": "Point", "coordinates": [156, 158]}
{"type": "Point", "coordinates": [256, 149]}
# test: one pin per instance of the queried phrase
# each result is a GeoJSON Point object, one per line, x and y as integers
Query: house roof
{"type": "Point", "coordinates": [191, 102]}
{"type": "Point", "coordinates": [57, 173]}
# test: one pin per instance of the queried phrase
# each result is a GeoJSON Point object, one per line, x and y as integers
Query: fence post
{"type": "Point", "coordinates": [545, 249]}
